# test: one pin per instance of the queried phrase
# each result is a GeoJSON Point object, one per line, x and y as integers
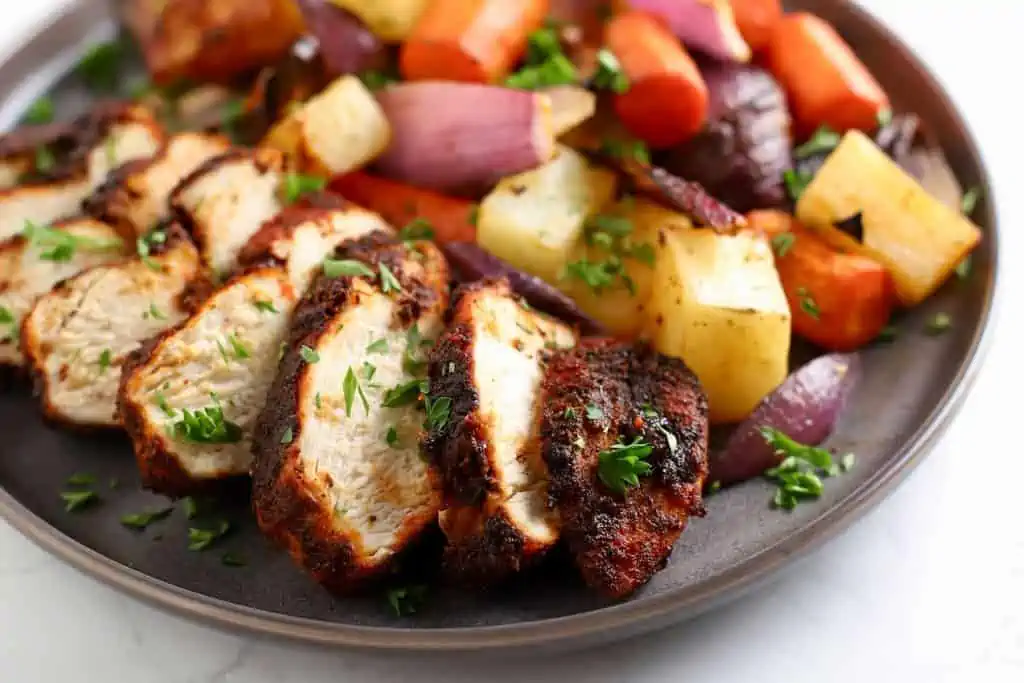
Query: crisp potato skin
{"type": "Point", "coordinates": [286, 500]}
{"type": "Point", "coordinates": [620, 541]}
{"type": "Point", "coordinates": [210, 40]}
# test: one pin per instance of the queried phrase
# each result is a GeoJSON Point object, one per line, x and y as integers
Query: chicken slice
{"type": "Point", "coordinates": [134, 197]}
{"type": "Point", "coordinates": [78, 160]}
{"type": "Point", "coordinates": [229, 348]}
{"type": "Point", "coordinates": [338, 479]}
{"type": "Point", "coordinates": [77, 336]}
{"type": "Point", "coordinates": [30, 266]}
{"type": "Point", "coordinates": [600, 398]}
{"type": "Point", "coordinates": [490, 362]}
{"type": "Point", "coordinates": [226, 201]}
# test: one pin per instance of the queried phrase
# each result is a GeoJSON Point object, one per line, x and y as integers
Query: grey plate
{"type": "Point", "coordinates": [911, 391]}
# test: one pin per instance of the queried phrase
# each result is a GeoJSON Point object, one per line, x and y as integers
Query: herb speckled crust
{"type": "Point", "coordinates": [620, 541]}
{"type": "Point", "coordinates": [291, 508]}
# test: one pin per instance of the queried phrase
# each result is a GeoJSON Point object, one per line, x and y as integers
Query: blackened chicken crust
{"type": "Point", "coordinates": [619, 541]}
{"type": "Point", "coordinates": [259, 250]}
{"type": "Point", "coordinates": [290, 504]}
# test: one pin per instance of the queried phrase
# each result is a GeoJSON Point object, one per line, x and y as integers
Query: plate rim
{"type": "Point", "coordinates": [615, 621]}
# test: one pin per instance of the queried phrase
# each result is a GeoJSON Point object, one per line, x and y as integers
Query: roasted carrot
{"type": "Point", "coordinates": [477, 41]}
{"type": "Point", "coordinates": [451, 219]}
{"type": "Point", "coordinates": [825, 81]}
{"type": "Point", "coordinates": [839, 301]}
{"type": "Point", "coordinates": [667, 100]}
{"type": "Point", "coordinates": [756, 19]}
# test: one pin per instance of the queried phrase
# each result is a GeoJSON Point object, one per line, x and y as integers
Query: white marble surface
{"type": "Point", "coordinates": [929, 587]}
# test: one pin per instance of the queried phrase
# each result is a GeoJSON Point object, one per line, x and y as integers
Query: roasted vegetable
{"type": "Point", "coordinates": [825, 81]}
{"type": "Point", "coordinates": [477, 41]}
{"type": "Point", "coordinates": [337, 131]}
{"type": "Point", "coordinates": [840, 301]}
{"type": "Point", "coordinates": [917, 237]}
{"type": "Point", "coordinates": [456, 137]}
{"type": "Point", "coordinates": [198, 40]}
{"type": "Point", "coordinates": [756, 20]}
{"type": "Point", "coordinates": [533, 220]}
{"type": "Point", "coordinates": [667, 100]}
{"type": "Point", "coordinates": [345, 44]}
{"type": "Point", "coordinates": [423, 213]}
{"type": "Point", "coordinates": [743, 153]}
{"type": "Point", "coordinates": [717, 303]}
{"type": "Point", "coordinates": [392, 20]}
{"type": "Point", "coordinates": [707, 26]}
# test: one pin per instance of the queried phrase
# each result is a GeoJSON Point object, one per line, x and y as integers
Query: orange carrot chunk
{"type": "Point", "coordinates": [839, 301]}
{"type": "Point", "coordinates": [756, 19]}
{"type": "Point", "coordinates": [449, 218]}
{"type": "Point", "coordinates": [667, 100]}
{"type": "Point", "coordinates": [477, 41]}
{"type": "Point", "coordinates": [825, 82]}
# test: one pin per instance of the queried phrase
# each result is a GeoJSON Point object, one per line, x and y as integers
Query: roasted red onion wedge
{"type": "Point", "coordinates": [805, 407]}
{"type": "Point", "coordinates": [346, 45]}
{"type": "Point", "coordinates": [471, 262]}
{"type": "Point", "coordinates": [707, 26]}
{"type": "Point", "coordinates": [459, 137]}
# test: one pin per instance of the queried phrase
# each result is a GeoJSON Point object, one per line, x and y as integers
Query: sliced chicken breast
{"type": "Point", "coordinates": [81, 159]}
{"type": "Point", "coordinates": [490, 362]}
{"type": "Point", "coordinates": [604, 402]}
{"type": "Point", "coordinates": [134, 197]}
{"type": "Point", "coordinates": [228, 348]}
{"type": "Point", "coordinates": [338, 478]}
{"type": "Point", "coordinates": [226, 201]}
{"type": "Point", "coordinates": [30, 265]}
{"type": "Point", "coordinates": [76, 337]}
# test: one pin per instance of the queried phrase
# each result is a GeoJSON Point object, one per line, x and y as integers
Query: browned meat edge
{"type": "Point", "coordinates": [259, 249]}
{"type": "Point", "coordinates": [193, 295]}
{"type": "Point", "coordinates": [284, 502]}
{"type": "Point", "coordinates": [618, 541]}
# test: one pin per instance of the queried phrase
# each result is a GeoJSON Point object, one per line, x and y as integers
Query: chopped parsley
{"type": "Point", "coordinates": [60, 246]}
{"type": "Point", "coordinates": [336, 268]}
{"type": "Point", "coordinates": [161, 402]}
{"type": "Point", "coordinates": [201, 539]}
{"type": "Point", "coordinates": [609, 74]}
{"type": "Point", "coordinates": [154, 313]}
{"type": "Point", "coordinates": [288, 436]}
{"type": "Point", "coordinates": [823, 141]}
{"type": "Point", "coordinates": [231, 116]}
{"type": "Point", "coordinates": [265, 306]}
{"type": "Point", "coordinates": [230, 559]}
{"type": "Point", "coordinates": [417, 229]}
{"type": "Point", "coordinates": [41, 111]}
{"type": "Point", "coordinates": [141, 520]}
{"type": "Point", "coordinates": [964, 268]}
{"type": "Point", "coordinates": [636, 150]}
{"type": "Point", "coordinates": [611, 234]}
{"type": "Point", "coordinates": [368, 371]}
{"type": "Point", "coordinates": [81, 479]}
{"type": "Point", "coordinates": [77, 500]}
{"type": "Point", "coordinates": [782, 243]}
{"type": "Point", "coordinates": [238, 348]}
{"type": "Point", "coordinates": [404, 394]}
{"type": "Point", "coordinates": [190, 507]}
{"type": "Point", "coordinates": [438, 412]}
{"type": "Point", "coordinates": [807, 303]}
{"type": "Point", "coordinates": [800, 472]}
{"type": "Point", "coordinates": [309, 355]}
{"type": "Point", "coordinates": [569, 414]}
{"type": "Point", "coordinates": [391, 438]}
{"type": "Point", "coordinates": [594, 412]}
{"type": "Point", "coordinates": [100, 68]}
{"type": "Point", "coordinates": [969, 202]}
{"type": "Point", "coordinates": [388, 281]}
{"type": "Point", "coordinates": [6, 317]}
{"type": "Point", "coordinates": [413, 360]}
{"type": "Point", "coordinates": [378, 346]}
{"type": "Point", "coordinates": [104, 360]}
{"type": "Point", "coordinates": [374, 79]}
{"type": "Point", "coordinates": [298, 185]}
{"type": "Point", "coordinates": [406, 600]}
{"type": "Point", "coordinates": [474, 215]}
{"type": "Point", "coordinates": [145, 244]}
{"type": "Point", "coordinates": [796, 183]}
{"type": "Point", "coordinates": [884, 118]}
{"type": "Point", "coordinates": [207, 425]}
{"type": "Point", "coordinates": [546, 64]}
{"type": "Point", "coordinates": [887, 335]}
{"type": "Point", "coordinates": [351, 388]}
{"type": "Point", "coordinates": [44, 160]}
{"type": "Point", "coordinates": [621, 466]}
{"type": "Point", "coordinates": [938, 323]}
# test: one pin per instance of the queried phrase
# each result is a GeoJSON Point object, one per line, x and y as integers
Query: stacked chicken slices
{"type": "Point", "coordinates": [70, 162]}
{"type": "Point", "coordinates": [338, 477]}
{"type": "Point", "coordinates": [223, 358]}
{"type": "Point", "coordinates": [226, 200]}
{"type": "Point", "coordinates": [490, 363]}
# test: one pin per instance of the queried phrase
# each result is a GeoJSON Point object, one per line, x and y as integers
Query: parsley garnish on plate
{"type": "Point", "coordinates": [823, 141]}
{"type": "Point", "coordinates": [609, 74]}
{"type": "Point", "coordinates": [144, 246]}
{"type": "Point", "coordinates": [546, 63]}
{"type": "Point", "coordinates": [636, 150]}
{"type": "Point", "coordinates": [40, 112]}
{"type": "Point", "coordinates": [378, 346]}
{"type": "Point", "coordinates": [190, 507]}
{"type": "Point", "coordinates": [438, 412]}
{"type": "Point", "coordinates": [100, 68]}
{"type": "Point", "coordinates": [407, 599]}
{"type": "Point", "coordinates": [60, 246]}
{"type": "Point", "coordinates": [77, 500]}
{"type": "Point", "coordinates": [782, 243]}
{"type": "Point", "coordinates": [288, 436]}
{"type": "Point", "coordinates": [416, 229]}
{"type": "Point", "coordinates": [594, 412]}
{"type": "Point", "coordinates": [391, 437]}
{"type": "Point", "coordinates": [230, 559]}
{"type": "Point", "coordinates": [807, 303]}
{"type": "Point", "coordinates": [621, 466]}
{"type": "Point", "coordinates": [340, 268]}
{"type": "Point", "coordinates": [201, 539]}
{"type": "Point", "coordinates": [298, 185]}
{"type": "Point", "coordinates": [141, 520]}
{"type": "Point", "coordinates": [207, 425]}
{"type": "Point", "coordinates": [796, 183]}
{"type": "Point", "coordinates": [81, 479]}
{"type": "Point", "coordinates": [351, 388]}
{"type": "Point", "coordinates": [800, 474]}
{"type": "Point", "coordinates": [264, 306]}
{"type": "Point", "coordinates": [309, 355]}
{"type": "Point", "coordinates": [388, 281]}
{"type": "Point", "coordinates": [938, 323]}
{"type": "Point", "coordinates": [404, 394]}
